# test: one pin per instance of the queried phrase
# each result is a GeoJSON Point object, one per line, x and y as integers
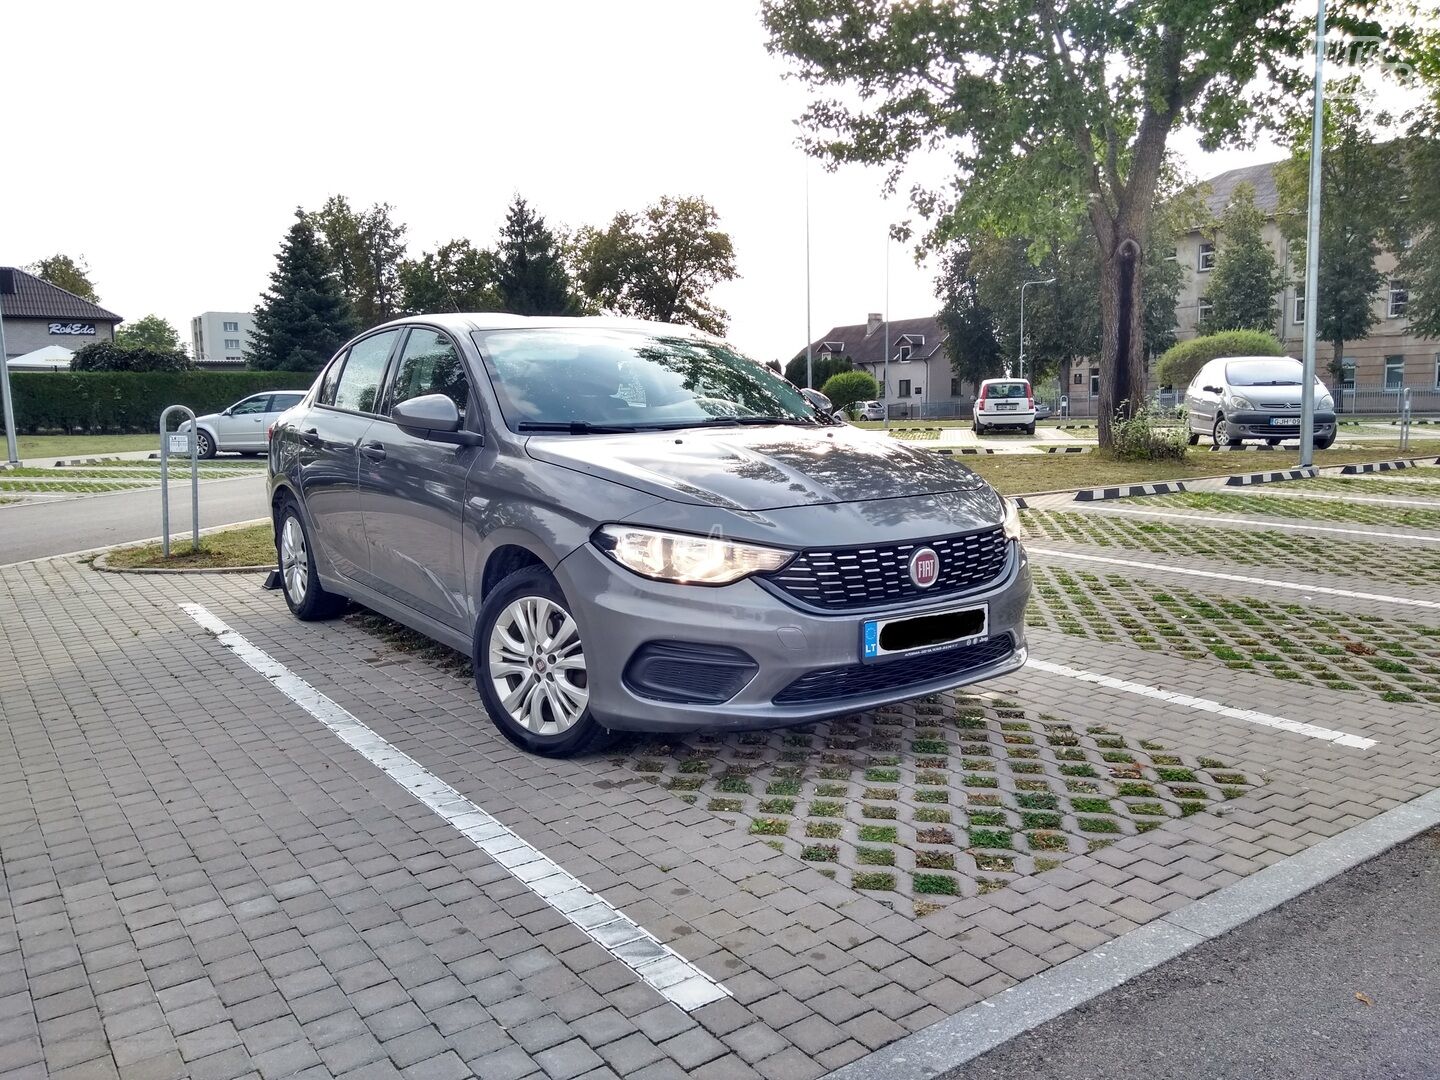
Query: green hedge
{"type": "Point", "coordinates": [116, 402]}
{"type": "Point", "coordinates": [1178, 364]}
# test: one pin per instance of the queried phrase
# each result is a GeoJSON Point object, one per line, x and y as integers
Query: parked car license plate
{"type": "Point", "coordinates": [1284, 421]}
{"type": "Point", "coordinates": [1006, 405]}
{"type": "Point", "coordinates": [915, 635]}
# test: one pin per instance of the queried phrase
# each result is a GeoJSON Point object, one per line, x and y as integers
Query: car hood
{"type": "Point", "coordinates": [1272, 395]}
{"type": "Point", "coordinates": [760, 468]}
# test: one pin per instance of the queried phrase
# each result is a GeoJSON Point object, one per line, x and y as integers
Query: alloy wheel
{"type": "Point", "coordinates": [294, 559]}
{"type": "Point", "coordinates": [537, 665]}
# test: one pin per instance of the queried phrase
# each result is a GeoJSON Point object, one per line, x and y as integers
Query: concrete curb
{"type": "Point", "coordinates": [1378, 466]}
{"type": "Point", "coordinates": [1245, 479]}
{"type": "Point", "coordinates": [946, 1045]}
{"type": "Point", "coordinates": [102, 563]}
{"type": "Point", "coordinates": [950, 451]}
{"type": "Point", "coordinates": [1129, 491]}
{"type": "Point", "coordinates": [1065, 449]}
{"type": "Point", "coordinates": [1227, 449]}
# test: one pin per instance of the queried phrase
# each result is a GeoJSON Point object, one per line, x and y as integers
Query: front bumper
{"type": "Point", "coordinates": [1257, 425]}
{"type": "Point", "coordinates": [618, 612]}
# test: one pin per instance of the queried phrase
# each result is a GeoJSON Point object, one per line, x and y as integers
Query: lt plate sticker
{"type": "Point", "coordinates": [872, 639]}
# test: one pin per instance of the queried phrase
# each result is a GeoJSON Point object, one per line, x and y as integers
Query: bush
{"type": "Point", "coordinates": [115, 402]}
{"type": "Point", "coordinates": [848, 387]}
{"type": "Point", "coordinates": [1179, 363]}
{"type": "Point", "coordinates": [1137, 439]}
{"type": "Point", "coordinates": [115, 356]}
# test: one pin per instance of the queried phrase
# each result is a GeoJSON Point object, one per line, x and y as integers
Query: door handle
{"type": "Point", "coordinates": [374, 451]}
{"type": "Point", "coordinates": [311, 436]}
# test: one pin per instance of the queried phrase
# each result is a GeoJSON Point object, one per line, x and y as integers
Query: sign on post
{"type": "Point", "coordinates": [180, 442]}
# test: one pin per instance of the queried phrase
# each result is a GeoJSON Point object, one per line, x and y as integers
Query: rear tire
{"type": "Point", "coordinates": [530, 667]}
{"type": "Point", "coordinates": [304, 595]}
{"type": "Point", "coordinates": [1030, 428]}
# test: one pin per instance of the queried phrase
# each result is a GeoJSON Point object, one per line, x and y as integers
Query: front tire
{"type": "Point", "coordinates": [1192, 439]}
{"type": "Point", "coordinates": [204, 444]}
{"type": "Point", "coordinates": [530, 667]}
{"type": "Point", "coordinates": [304, 596]}
{"type": "Point", "coordinates": [1326, 441]}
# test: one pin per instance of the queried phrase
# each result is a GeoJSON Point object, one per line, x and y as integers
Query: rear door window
{"type": "Point", "coordinates": [359, 387]}
{"type": "Point", "coordinates": [257, 404]}
{"type": "Point", "coordinates": [281, 402]}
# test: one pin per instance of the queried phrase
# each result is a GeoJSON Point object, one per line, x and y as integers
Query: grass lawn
{"type": "Point", "coordinates": [253, 545]}
{"type": "Point", "coordinates": [1015, 474]}
{"type": "Point", "coordinates": [39, 446]}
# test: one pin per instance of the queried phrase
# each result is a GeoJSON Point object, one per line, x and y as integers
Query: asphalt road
{"type": "Point", "coordinates": [1275, 998]}
{"type": "Point", "coordinates": [35, 530]}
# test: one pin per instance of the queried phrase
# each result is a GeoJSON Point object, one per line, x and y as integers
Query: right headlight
{"type": "Point", "coordinates": [685, 558]}
{"type": "Point", "coordinates": [1011, 522]}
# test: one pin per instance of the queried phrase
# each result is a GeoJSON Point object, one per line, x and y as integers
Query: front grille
{"type": "Point", "coordinates": [862, 680]}
{"type": "Point", "coordinates": [1286, 406]}
{"type": "Point", "coordinates": [867, 577]}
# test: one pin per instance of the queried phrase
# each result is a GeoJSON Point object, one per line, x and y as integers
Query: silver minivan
{"type": "Point", "coordinates": [1233, 398]}
{"type": "Point", "coordinates": [629, 525]}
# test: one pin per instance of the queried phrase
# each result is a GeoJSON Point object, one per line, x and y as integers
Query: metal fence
{"type": "Point", "coordinates": [1386, 401]}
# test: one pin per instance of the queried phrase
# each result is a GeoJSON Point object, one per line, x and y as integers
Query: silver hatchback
{"type": "Point", "coordinates": [630, 526]}
{"type": "Point", "coordinates": [1233, 398]}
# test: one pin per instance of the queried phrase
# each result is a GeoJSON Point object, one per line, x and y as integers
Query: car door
{"type": "Point", "coordinates": [331, 433]}
{"type": "Point", "coordinates": [1200, 403]}
{"type": "Point", "coordinates": [244, 426]}
{"type": "Point", "coordinates": [413, 489]}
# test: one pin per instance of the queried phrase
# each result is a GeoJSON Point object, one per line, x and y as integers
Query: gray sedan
{"type": "Point", "coordinates": [1233, 398]}
{"type": "Point", "coordinates": [630, 526]}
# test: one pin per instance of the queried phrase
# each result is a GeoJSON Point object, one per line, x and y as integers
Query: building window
{"type": "Point", "coordinates": [232, 328]}
{"type": "Point", "coordinates": [1174, 255]}
{"type": "Point", "coordinates": [1298, 315]}
{"type": "Point", "coordinates": [1394, 372]}
{"type": "Point", "coordinates": [1437, 371]}
{"type": "Point", "coordinates": [1206, 261]}
{"type": "Point", "coordinates": [902, 388]}
{"type": "Point", "coordinates": [1094, 382]}
{"type": "Point", "coordinates": [1399, 298]}
{"type": "Point", "coordinates": [1347, 373]}
{"type": "Point", "coordinates": [955, 386]}
{"type": "Point", "coordinates": [1079, 378]}
{"type": "Point", "coordinates": [232, 343]}
{"type": "Point", "coordinates": [1204, 309]}
{"type": "Point", "coordinates": [904, 354]}
{"type": "Point", "coordinates": [919, 390]}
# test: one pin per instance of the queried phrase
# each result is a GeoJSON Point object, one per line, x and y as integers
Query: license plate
{"type": "Point", "coordinates": [1007, 405]}
{"type": "Point", "coordinates": [1284, 421]}
{"type": "Point", "coordinates": [180, 443]}
{"type": "Point", "coordinates": [916, 635]}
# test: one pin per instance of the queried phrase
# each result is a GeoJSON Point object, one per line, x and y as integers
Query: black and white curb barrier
{"type": "Point", "coordinates": [1065, 449]}
{"type": "Point", "coordinates": [1226, 448]}
{"type": "Point", "coordinates": [950, 451]}
{"type": "Point", "coordinates": [1129, 491]}
{"type": "Point", "coordinates": [1378, 466]}
{"type": "Point", "coordinates": [1245, 479]}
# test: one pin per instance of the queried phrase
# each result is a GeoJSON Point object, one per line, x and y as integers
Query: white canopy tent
{"type": "Point", "coordinates": [48, 358]}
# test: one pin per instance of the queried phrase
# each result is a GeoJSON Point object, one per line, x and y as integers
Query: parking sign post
{"type": "Point", "coordinates": [182, 441]}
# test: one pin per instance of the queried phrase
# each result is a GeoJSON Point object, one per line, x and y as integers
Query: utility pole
{"type": "Point", "coordinates": [809, 341]}
{"type": "Point", "coordinates": [9, 409]}
{"type": "Point", "coordinates": [1046, 281]}
{"type": "Point", "coordinates": [885, 396]}
{"type": "Point", "coordinates": [1312, 250]}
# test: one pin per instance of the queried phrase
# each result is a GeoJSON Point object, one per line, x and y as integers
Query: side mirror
{"type": "Point", "coordinates": [432, 416]}
{"type": "Point", "coordinates": [819, 402]}
{"type": "Point", "coordinates": [1212, 389]}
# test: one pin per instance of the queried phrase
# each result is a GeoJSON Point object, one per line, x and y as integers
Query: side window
{"type": "Point", "coordinates": [360, 381]}
{"type": "Point", "coordinates": [258, 404]}
{"type": "Point", "coordinates": [326, 396]}
{"type": "Point", "coordinates": [430, 364]}
{"type": "Point", "coordinates": [281, 402]}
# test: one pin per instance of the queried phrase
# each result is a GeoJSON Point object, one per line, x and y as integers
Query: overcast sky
{"type": "Point", "coordinates": [170, 144]}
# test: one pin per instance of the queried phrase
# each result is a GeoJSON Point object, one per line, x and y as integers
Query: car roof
{"type": "Point", "coordinates": [1017, 378]}
{"type": "Point", "coordinates": [1246, 359]}
{"type": "Point", "coordinates": [464, 322]}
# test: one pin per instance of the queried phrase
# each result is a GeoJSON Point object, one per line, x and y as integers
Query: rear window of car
{"type": "Point", "coordinates": [1008, 390]}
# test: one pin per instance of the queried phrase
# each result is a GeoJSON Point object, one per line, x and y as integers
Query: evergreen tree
{"type": "Point", "coordinates": [303, 318]}
{"type": "Point", "coordinates": [1247, 275]}
{"type": "Point", "coordinates": [530, 277]}
{"type": "Point", "coordinates": [969, 325]}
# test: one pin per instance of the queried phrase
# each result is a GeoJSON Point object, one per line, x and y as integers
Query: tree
{"type": "Point", "coordinates": [456, 276]}
{"type": "Point", "coordinates": [530, 275]}
{"type": "Point", "coordinates": [1179, 363]}
{"type": "Point", "coordinates": [969, 325]}
{"type": "Point", "coordinates": [1420, 262]}
{"type": "Point", "coordinates": [366, 248]}
{"type": "Point", "coordinates": [66, 273]}
{"type": "Point", "coordinates": [1052, 110]}
{"type": "Point", "coordinates": [151, 332]}
{"type": "Point", "coordinates": [303, 318]}
{"type": "Point", "coordinates": [1362, 189]}
{"type": "Point", "coordinates": [115, 356]}
{"type": "Point", "coordinates": [822, 366]}
{"type": "Point", "coordinates": [1247, 275]}
{"type": "Point", "coordinates": [848, 387]}
{"type": "Point", "coordinates": [661, 264]}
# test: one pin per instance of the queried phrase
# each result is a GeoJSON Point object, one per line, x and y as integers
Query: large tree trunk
{"type": "Point", "coordinates": [1122, 334]}
{"type": "Point", "coordinates": [1337, 374]}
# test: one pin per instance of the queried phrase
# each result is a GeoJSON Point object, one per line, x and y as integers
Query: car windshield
{"type": "Point", "coordinates": [1280, 372]}
{"type": "Point", "coordinates": [1007, 390]}
{"type": "Point", "coordinates": [585, 379]}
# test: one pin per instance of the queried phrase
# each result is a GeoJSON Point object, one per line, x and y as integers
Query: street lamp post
{"type": "Point", "coordinates": [1312, 250]}
{"type": "Point", "coordinates": [1045, 281]}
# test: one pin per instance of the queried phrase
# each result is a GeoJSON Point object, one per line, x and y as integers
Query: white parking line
{"type": "Point", "coordinates": [1380, 499]}
{"type": "Point", "coordinates": [1093, 508]}
{"type": "Point", "coordinates": [674, 977]}
{"type": "Point", "coordinates": [1269, 582]}
{"type": "Point", "coordinates": [1249, 716]}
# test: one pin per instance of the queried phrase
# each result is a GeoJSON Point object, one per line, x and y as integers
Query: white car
{"type": "Point", "coordinates": [242, 428]}
{"type": "Point", "coordinates": [1005, 403]}
{"type": "Point", "coordinates": [871, 410]}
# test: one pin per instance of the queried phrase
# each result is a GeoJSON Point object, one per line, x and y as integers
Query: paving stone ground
{"type": "Point", "coordinates": [199, 879]}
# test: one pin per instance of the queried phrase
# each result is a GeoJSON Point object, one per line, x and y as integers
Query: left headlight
{"type": "Point", "coordinates": [1325, 401]}
{"type": "Point", "coordinates": [1011, 522]}
{"type": "Point", "coordinates": [1240, 401]}
{"type": "Point", "coordinates": [685, 558]}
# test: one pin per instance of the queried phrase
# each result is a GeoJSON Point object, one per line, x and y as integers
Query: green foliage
{"type": "Point", "coordinates": [366, 248]}
{"type": "Point", "coordinates": [66, 273]}
{"type": "Point", "coordinates": [848, 387]}
{"type": "Point", "coordinates": [109, 402]}
{"type": "Point", "coordinates": [303, 318]}
{"type": "Point", "coordinates": [1420, 263]}
{"type": "Point", "coordinates": [118, 356]}
{"type": "Point", "coordinates": [531, 278]}
{"type": "Point", "coordinates": [1136, 438]}
{"type": "Point", "coordinates": [151, 332]}
{"type": "Point", "coordinates": [660, 264]}
{"type": "Point", "coordinates": [970, 340]}
{"type": "Point", "coordinates": [1247, 276]}
{"type": "Point", "coordinates": [454, 277]}
{"type": "Point", "coordinates": [824, 368]}
{"type": "Point", "coordinates": [1180, 363]}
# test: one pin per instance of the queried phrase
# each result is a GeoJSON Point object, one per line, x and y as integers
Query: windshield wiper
{"type": "Point", "coordinates": [574, 427]}
{"type": "Point", "coordinates": [718, 421]}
